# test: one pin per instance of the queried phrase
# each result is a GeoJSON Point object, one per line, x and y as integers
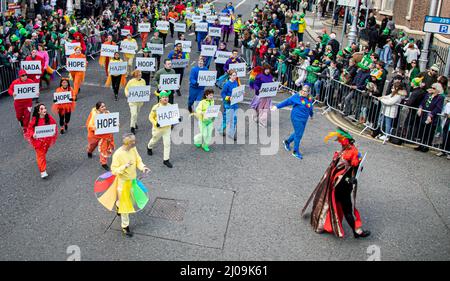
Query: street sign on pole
{"type": "Point", "coordinates": [437, 25]}
{"type": "Point", "coordinates": [347, 3]}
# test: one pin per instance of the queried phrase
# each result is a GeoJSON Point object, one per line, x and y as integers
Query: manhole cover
{"type": "Point", "coordinates": [169, 209]}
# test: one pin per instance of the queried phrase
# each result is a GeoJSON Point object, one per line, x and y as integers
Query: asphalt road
{"type": "Point", "coordinates": [231, 204]}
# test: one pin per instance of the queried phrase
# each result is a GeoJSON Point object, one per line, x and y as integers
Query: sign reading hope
{"type": "Point", "coordinates": [169, 81]}
{"type": "Point", "coordinates": [215, 31]}
{"type": "Point", "coordinates": [76, 64]}
{"type": "Point", "coordinates": [70, 47]}
{"type": "Point", "coordinates": [240, 68]}
{"type": "Point", "coordinates": [269, 89]}
{"type": "Point", "coordinates": [180, 27]}
{"type": "Point", "coordinates": [186, 45]}
{"type": "Point", "coordinates": [128, 47]}
{"type": "Point", "coordinates": [156, 49]}
{"type": "Point", "coordinates": [145, 64]}
{"type": "Point", "coordinates": [208, 50]}
{"type": "Point", "coordinates": [107, 123]}
{"type": "Point", "coordinates": [212, 111]}
{"type": "Point", "coordinates": [237, 94]}
{"type": "Point", "coordinates": [162, 25]}
{"type": "Point", "coordinates": [118, 68]}
{"type": "Point", "coordinates": [108, 50]}
{"type": "Point", "coordinates": [31, 67]}
{"type": "Point", "coordinates": [207, 78]}
{"type": "Point", "coordinates": [144, 27]}
{"type": "Point", "coordinates": [26, 91]}
{"type": "Point", "coordinates": [222, 57]}
{"type": "Point", "coordinates": [201, 27]}
{"type": "Point", "coordinates": [168, 115]}
{"type": "Point", "coordinates": [45, 131]}
{"type": "Point", "coordinates": [180, 63]}
{"type": "Point", "coordinates": [139, 94]}
{"type": "Point", "coordinates": [62, 97]}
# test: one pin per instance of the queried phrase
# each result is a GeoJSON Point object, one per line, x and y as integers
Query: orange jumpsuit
{"type": "Point", "coordinates": [64, 110]}
{"type": "Point", "coordinates": [104, 61]}
{"type": "Point", "coordinates": [77, 76]}
{"type": "Point", "coordinates": [104, 142]}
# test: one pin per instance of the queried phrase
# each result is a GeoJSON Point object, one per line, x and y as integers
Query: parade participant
{"type": "Point", "coordinates": [47, 70]}
{"type": "Point", "coordinates": [158, 131]}
{"type": "Point", "coordinates": [301, 27]}
{"type": "Point", "coordinates": [173, 17]}
{"type": "Point", "coordinates": [129, 58]}
{"type": "Point", "coordinates": [40, 117]}
{"type": "Point", "coordinates": [135, 107]}
{"type": "Point", "coordinates": [302, 110]}
{"type": "Point", "coordinates": [146, 74]}
{"type": "Point", "coordinates": [205, 124]}
{"type": "Point", "coordinates": [64, 110]}
{"type": "Point", "coordinates": [208, 41]}
{"type": "Point", "coordinates": [332, 196]}
{"type": "Point", "coordinates": [178, 54]}
{"type": "Point", "coordinates": [233, 59]}
{"type": "Point", "coordinates": [129, 27]}
{"type": "Point", "coordinates": [105, 142]}
{"type": "Point", "coordinates": [104, 61]}
{"type": "Point", "coordinates": [116, 80]}
{"type": "Point", "coordinates": [163, 33]}
{"type": "Point", "coordinates": [238, 26]}
{"type": "Point", "coordinates": [167, 69]}
{"type": "Point", "coordinates": [124, 163]}
{"type": "Point", "coordinates": [216, 39]}
{"type": "Point", "coordinates": [201, 35]}
{"type": "Point", "coordinates": [229, 111]}
{"type": "Point", "coordinates": [34, 57]}
{"type": "Point", "coordinates": [156, 40]}
{"type": "Point", "coordinates": [262, 105]}
{"type": "Point", "coordinates": [77, 76]}
{"type": "Point", "coordinates": [78, 38]}
{"type": "Point", "coordinates": [219, 66]}
{"type": "Point", "coordinates": [22, 106]}
{"type": "Point", "coordinates": [226, 30]}
{"type": "Point", "coordinates": [144, 35]}
{"type": "Point", "coordinates": [195, 90]}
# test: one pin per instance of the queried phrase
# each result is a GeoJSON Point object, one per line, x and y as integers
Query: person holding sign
{"type": "Point", "coordinates": [129, 57]}
{"type": "Point", "coordinates": [262, 105]}
{"type": "Point", "coordinates": [144, 35]}
{"type": "Point", "coordinates": [34, 57]}
{"type": "Point", "coordinates": [22, 106]}
{"type": "Point", "coordinates": [105, 142]}
{"type": "Point", "coordinates": [41, 144]}
{"type": "Point", "coordinates": [146, 74]}
{"type": "Point", "coordinates": [201, 35]}
{"type": "Point", "coordinates": [172, 17]}
{"type": "Point", "coordinates": [104, 61]}
{"type": "Point", "coordinates": [157, 40]}
{"type": "Point", "coordinates": [233, 59]}
{"type": "Point", "coordinates": [158, 131]}
{"type": "Point", "coordinates": [167, 69]}
{"type": "Point", "coordinates": [116, 80]}
{"type": "Point", "coordinates": [302, 110]}
{"type": "Point", "coordinates": [195, 90]}
{"type": "Point", "coordinates": [208, 41]}
{"type": "Point", "coordinates": [219, 66]}
{"type": "Point", "coordinates": [204, 123]}
{"type": "Point", "coordinates": [77, 76]}
{"type": "Point", "coordinates": [135, 107]}
{"type": "Point", "coordinates": [64, 110]}
{"type": "Point", "coordinates": [229, 111]}
{"type": "Point", "coordinates": [163, 33]}
{"type": "Point", "coordinates": [178, 54]}
{"type": "Point", "coordinates": [78, 38]}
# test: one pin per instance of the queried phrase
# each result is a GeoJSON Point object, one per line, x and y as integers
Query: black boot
{"type": "Point", "coordinates": [106, 167]}
{"type": "Point", "coordinates": [116, 97]}
{"type": "Point", "coordinates": [168, 164]}
{"type": "Point", "coordinates": [89, 154]}
{"type": "Point", "coordinates": [149, 151]}
{"type": "Point", "coordinates": [127, 231]}
{"type": "Point", "coordinates": [136, 127]}
{"type": "Point", "coordinates": [363, 234]}
{"type": "Point", "coordinates": [133, 131]}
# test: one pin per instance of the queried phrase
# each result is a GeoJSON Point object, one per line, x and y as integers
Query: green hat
{"type": "Point", "coordinates": [146, 50]}
{"type": "Point", "coordinates": [14, 38]}
{"type": "Point", "coordinates": [401, 33]}
{"type": "Point", "coordinates": [23, 32]}
{"type": "Point", "coordinates": [61, 35]}
{"type": "Point", "coordinates": [386, 31]}
{"type": "Point", "coordinates": [315, 62]}
{"type": "Point", "coordinates": [189, 4]}
{"type": "Point", "coordinates": [19, 25]}
{"type": "Point", "coordinates": [8, 23]}
{"type": "Point", "coordinates": [348, 49]}
{"type": "Point", "coordinates": [2, 48]}
{"type": "Point", "coordinates": [302, 15]}
{"type": "Point", "coordinates": [297, 52]}
{"type": "Point", "coordinates": [282, 57]}
{"type": "Point", "coordinates": [340, 53]}
{"type": "Point", "coordinates": [330, 55]}
{"type": "Point", "coordinates": [164, 94]}
{"type": "Point", "coordinates": [54, 36]}
{"type": "Point", "coordinates": [362, 66]}
{"type": "Point", "coordinates": [1, 41]}
{"type": "Point", "coordinates": [72, 30]}
{"type": "Point", "coordinates": [404, 39]}
{"type": "Point", "coordinates": [417, 81]}
{"type": "Point", "coordinates": [343, 133]}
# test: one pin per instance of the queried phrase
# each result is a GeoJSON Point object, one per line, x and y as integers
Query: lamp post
{"type": "Point", "coordinates": [423, 60]}
{"type": "Point", "coordinates": [353, 30]}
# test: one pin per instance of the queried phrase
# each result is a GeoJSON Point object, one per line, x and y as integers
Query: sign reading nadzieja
{"type": "Point", "coordinates": [118, 68]}
{"type": "Point", "coordinates": [237, 94]}
{"type": "Point", "coordinates": [26, 91]}
{"type": "Point", "coordinates": [45, 131]}
{"type": "Point", "coordinates": [156, 49]}
{"type": "Point", "coordinates": [180, 63]}
{"type": "Point", "coordinates": [269, 89]}
{"type": "Point", "coordinates": [75, 64]}
{"type": "Point", "coordinates": [222, 57]}
{"type": "Point", "coordinates": [162, 25]}
{"type": "Point", "coordinates": [70, 47]}
{"type": "Point", "coordinates": [179, 27]}
{"type": "Point", "coordinates": [186, 45]}
{"type": "Point", "coordinates": [106, 123]}
{"type": "Point", "coordinates": [240, 68]}
{"type": "Point", "coordinates": [169, 81]}
{"type": "Point", "coordinates": [212, 111]}
{"type": "Point", "coordinates": [145, 64]}
{"type": "Point", "coordinates": [62, 97]}
{"type": "Point", "coordinates": [215, 31]}
{"type": "Point", "coordinates": [201, 27]}
{"type": "Point", "coordinates": [139, 94]}
{"type": "Point", "coordinates": [168, 115]}
{"type": "Point", "coordinates": [108, 50]}
{"type": "Point", "coordinates": [207, 78]}
{"type": "Point", "coordinates": [31, 67]}
{"type": "Point", "coordinates": [144, 27]}
{"type": "Point", "coordinates": [128, 47]}
{"type": "Point", "coordinates": [208, 50]}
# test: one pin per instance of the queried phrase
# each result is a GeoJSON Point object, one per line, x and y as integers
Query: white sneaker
{"type": "Point", "coordinates": [440, 154]}
{"type": "Point", "coordinates": [448, 157]}
{"type": "Point", "coordinates": [384, 138]}
{"type": "Point", "coordinates": [44, 174]}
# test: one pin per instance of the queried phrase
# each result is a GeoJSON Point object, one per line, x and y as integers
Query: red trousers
{"type": "Point", "coordinates": [144, 37]}
{"type": "Point", "coordinates": [103, 149]}
{"type": "Point", "coordinates": [41, 159]}
{"type": "Point", "coordinates": [22, 112]}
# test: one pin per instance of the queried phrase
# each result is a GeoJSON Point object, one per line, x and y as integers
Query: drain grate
{"type": "Point", "coordinates": [169, 209]}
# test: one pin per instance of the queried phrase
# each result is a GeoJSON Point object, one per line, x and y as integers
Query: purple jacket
{"type": "Point", "coordinates": [434, 107]}
{"type": "Point", "coordinates": [231, 61]}
{"type": "Point", "coordinates": [260, 79]}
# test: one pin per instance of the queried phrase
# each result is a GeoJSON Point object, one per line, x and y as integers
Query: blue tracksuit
{"type": "Point", "coordinates": [229, 110]}
{"type": "Point", "coordinates": [302, 109]}
{"type": "Point", "coordinates": [195, 91]}
{"type": "Point", "coordinates": [201, 35]}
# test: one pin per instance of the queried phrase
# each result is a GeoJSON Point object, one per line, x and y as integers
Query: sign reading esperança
{"type": "Point", "coordinates": [437, 25]}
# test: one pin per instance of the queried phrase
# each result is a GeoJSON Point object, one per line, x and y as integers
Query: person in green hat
{"type": "Point", "coordinates": [312, 76]}
{"type": "Point", "coordinates": [205, 123]}
{"type": "Point", "coordinates": [146, 74]}
{"type": "Point", "coordinates": [301, 27]}
{"type": "Point", "coordinates": [14, 38]}
{"type": "Point", "coordinates": [281, 67]}
{"type": "Point", "coordinates": [295, 24]}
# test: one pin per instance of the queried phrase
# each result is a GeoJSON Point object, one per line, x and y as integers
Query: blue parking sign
{"type": "Point", "coordinates": [443, 28]}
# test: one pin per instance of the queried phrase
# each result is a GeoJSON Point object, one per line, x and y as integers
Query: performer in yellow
{"type": "Point", "coordinates": [124, 163]}
{"type": "Point", "coordinates": [135, 107]}
{"type": "Point", "coordinates": [205, 124]}
{"type": "Point", "coordinates": [77, 76]}
{"type": "Point", "coordinates": [129, 58]}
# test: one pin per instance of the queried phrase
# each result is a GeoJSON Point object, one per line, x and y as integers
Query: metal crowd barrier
{"type": "Point", "coordinates": [7, 75]}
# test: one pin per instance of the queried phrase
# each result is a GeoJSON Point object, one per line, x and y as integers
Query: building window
{"type": "Point", "coordinates": [387, 5]}
{"type": "Point", "coordinates": [410, 8]}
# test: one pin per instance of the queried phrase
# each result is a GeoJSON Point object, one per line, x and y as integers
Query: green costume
{"type": "Point", "coordinates": [205, 124]}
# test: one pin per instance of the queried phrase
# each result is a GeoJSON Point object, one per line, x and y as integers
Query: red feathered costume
{"type": "Point", "coordinates": [80, 40]}
{"type": "Point", "coordinates": [36, 77]}
{"type": "Point", "coordinates": [22, 106]}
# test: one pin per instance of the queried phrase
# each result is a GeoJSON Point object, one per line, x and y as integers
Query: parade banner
{"type": "Point", "coordinates": [139, 94]}
{"type": "Point", "coordinates": [26, 91]}
{"type": "Point", "coordinates": [70, 47]}
{"type": "Point", "coordinates": [180, 27]}
{"type": "Point", "coordinates": [62, 97]}
{"type": "Point", "coordinates": [168, 115]}
{"type": "Point", "coordinates": [118, 68]}
{"type": "Point", "coordinates": [128, 47]}
{"type": "Point", "coordinates": [237, 95]}
{"type": "Point", "coordinates": [106, 123]}
{"type": "Point", "coordinates": [145, 64]}
{"type": "Point", "coordinates": [207, 78]}
{"type": "Point", "coordinates": [225, 20]}
{"type": "Point", "coordinates": [269, 89]}
{"type": "Point", "coordinates": [240, 68]}
{"type": "Point", "coordinates": [169, 81]}
{"type": "Point", "coordinates": [180, 63]}
{"type": "Point", "coordinates": [208, 50]}
{"type": "Point", "coordinates": [75, 64]}
{"type": "Point", "coordinates": [156, 49]}
{"type": "Point", "coordinates": [186, 45]}
{"type": "Point", "coordinates": [45, 131]}
{"type": "Point", "coordinates": [212, 111]}
{"type": "Point", "coordinates": [196, 19]}
{"type": "Point", "coordinates": [215, 32]}
{"type": "Point", "coordinates": [31, 67]}
{"type": "Point", "coordinates": [201, 27]}
{"type": "Point", "coordinates": [144, 27]}
{"type": "Point", "coordinates": [222, 57]}
{"type": "Point", "coordinates": [211, 19]}
{"type": "Point", "coordinates": [108, 50]}
{"type": "Point", "coordinates": [124, 32]}
{"type": "Point", "coordinates": [162, 25]}
{"type": "Point", "coordinates": [189, 15]}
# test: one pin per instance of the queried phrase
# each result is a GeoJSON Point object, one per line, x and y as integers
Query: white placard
{"type": "Point", "coordinates": [156, 49]}
{"type": "Point", "coordinates": [240, 68]}
{"type": "Point", "coordinates": [201, 27]}
{"type": "Point", "coordinates": [139, 94]}
{"type": "Point", "coordinates": [45, 131]}
{"type": "Point", "coordinates": [225, 20]}
{"type": "Point", "coordinates": [124, 32]}
{"type": "Point", "coordinates": [188, 15]}
{"type": "Point", "coordinates": [169, 81]}
{"type": "Point", "coordinates": [26, 91]}
{"type": "Point", "coordinates": [196, 19]}
{"type": "Point", "coordinates": [62, 97]}
{"type": "Point", "coordinates": [222, 57]}
{"type": "Point", "coordinates": [76, 64]}
{"type": "Point", "coordinates": [168, 115]}
{"type": "Point", "coordinates": [208, 50]}
{"type": "Point", "coordinates": [268, 89]}
{"type": "Point", "coordinates": [108, 50]}
{"type": "Point", "coordinates": [128, 47]}
{"type": "Point", "coordinates": [106, 123]}
{"type": "Point", "coordinates": [31, 67]}
{"type": "Point", "coordinates": [212, 111]}
{"type": "Point", "coordinates": [211, 19]}
{"type": "Point", "coordinates": [70, 47]}
{"type": "Point", "coordinates": [180, 63]}
{"type": "Point", "coordinates": [162, 25]}
{"type": "Point", "coordinates": [207, 78]}
{"type": "Point", "coordinates": [179, 27]}
{"type": "Point", "coordinates": [172, 21]}
{"type": "Point", "coordinates": [237, 94]}
{"type": "Point", "coordinates": [144, 27]}
{"type": "Point", "coordinates": [145, 64]}
{"type": "Point", "coordinates": [186, 45]}
{"type": "Point", "coordinates": [215, 31]}
{"type": "Point", "coordinates": [118, 68]}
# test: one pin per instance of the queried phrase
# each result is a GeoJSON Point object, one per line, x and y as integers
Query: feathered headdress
{"type": "Point", "coordinates": [255, 71]}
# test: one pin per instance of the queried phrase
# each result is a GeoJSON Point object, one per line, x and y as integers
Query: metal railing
{"type": "Point", "coordinates": [441, 57]}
